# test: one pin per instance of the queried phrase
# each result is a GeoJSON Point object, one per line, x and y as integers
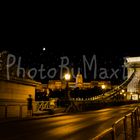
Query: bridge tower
{"type": "Point", "coordinates": [133, 87]}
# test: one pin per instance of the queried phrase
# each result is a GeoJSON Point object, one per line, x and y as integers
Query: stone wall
{"type": "Point", "coordinates": [13, 95]}
{"type": "Point", "coordinates": [15, 92]}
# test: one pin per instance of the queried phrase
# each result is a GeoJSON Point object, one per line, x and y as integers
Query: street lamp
{"type": "Point", "coordinates": [67, 77]}
{"type": "Point", "coordinates": [103, 86]}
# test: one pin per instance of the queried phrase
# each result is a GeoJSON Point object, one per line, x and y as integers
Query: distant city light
{"type": "Point", "coordinates": [123, 90]}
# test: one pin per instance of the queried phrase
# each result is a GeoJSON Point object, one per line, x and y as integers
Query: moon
{"type": "Point", "coordinates": [44, 49]}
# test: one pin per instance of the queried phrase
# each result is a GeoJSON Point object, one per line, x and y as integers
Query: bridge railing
{"type": "Point", "coordinates": [124, 128]}
{"type": "Point", "coordinates": [19, 110]}
{"type": "Point", "coordinates": [115, 91]}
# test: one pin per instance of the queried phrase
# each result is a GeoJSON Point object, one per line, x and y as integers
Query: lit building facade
{"type": "Point", "coordinates": [58, 84]}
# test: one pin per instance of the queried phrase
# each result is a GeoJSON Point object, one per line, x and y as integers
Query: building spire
{"type": "Point", "coordinates": [79, 80]}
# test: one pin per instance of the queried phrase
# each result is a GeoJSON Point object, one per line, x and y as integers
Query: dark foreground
{"type": "Point", "coordinates": [80, 126]}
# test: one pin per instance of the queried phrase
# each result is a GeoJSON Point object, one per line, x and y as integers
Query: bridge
{"type": "Point", "coordinates": [130, 88]}
{"type": "Point", "coordinates": [131, 85]}
{"type": "Point", "coordinates": [86, 125]}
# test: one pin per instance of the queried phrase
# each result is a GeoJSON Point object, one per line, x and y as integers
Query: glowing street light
{"type": "Point", "coordinates": [123, 90]}
{"type": "Point", "coordinates": [67, 77]}
{"type": "Point", "coordinates": [103, 86]}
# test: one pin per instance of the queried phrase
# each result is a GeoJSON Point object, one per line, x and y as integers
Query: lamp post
{"type": "Point", "coordinates": [121, 93]}
{"type": "Point", "coordinates": [67, 77]}
{"type": "Point", "coordinates": [71, 105]}
{"type": "Point", "coordinates": [103, 88]}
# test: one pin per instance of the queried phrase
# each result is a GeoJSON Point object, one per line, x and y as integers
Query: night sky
{"type": "Point", "coordinates": [110, 42]}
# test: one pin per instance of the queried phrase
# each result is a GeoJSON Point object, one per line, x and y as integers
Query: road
{"type": "Point", "coordinates": [79, 126]}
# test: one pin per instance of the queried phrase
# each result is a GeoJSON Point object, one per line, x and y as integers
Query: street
{"type": "Point", "coordinates": [79, 126]}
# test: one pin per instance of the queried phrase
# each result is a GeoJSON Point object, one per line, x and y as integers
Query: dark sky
{"type": "Point", "coordinates": [104, 42]}
{"type": "Point", "coordinates": [104, 39]}
{"type": "Point", "coordinates": [110, 41]}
